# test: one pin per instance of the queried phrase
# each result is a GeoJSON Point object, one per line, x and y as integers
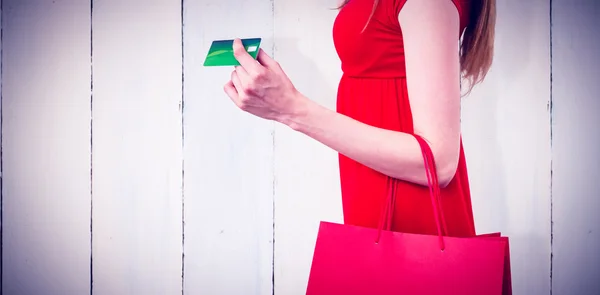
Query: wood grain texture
{"type": "Point", "coordinates": [506, 133]}
{"type": "Point", "coordinates": [576, 143]}
{"type": "Point", "coordinates": [228, 159]}
{"type": "Point", "coordinates": [137, 152]}
{"type": "Point", "coordinates": [307, 181]}
{"type": "Point", "coordinates": [46, 147]}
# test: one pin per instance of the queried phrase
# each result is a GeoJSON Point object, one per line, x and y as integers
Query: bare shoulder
{"type": "Point", "coordinates": [429, 13]}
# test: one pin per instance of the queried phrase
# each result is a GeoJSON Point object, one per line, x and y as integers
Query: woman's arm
{"type": "Point", "coordinates": [392, 153]}
{"type": "Point", "coordinates": [431, 33]}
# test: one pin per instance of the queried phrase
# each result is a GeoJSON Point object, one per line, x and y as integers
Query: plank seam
{"type": "Point", "coordinates": [182, 153]}
{"type": "Point", "coordinates": [91, 147]}
{"type": "Point", "coordinates": [1, 149]}
{"type": "Point", "coordinates": [274, 184]}
{"type": "Point", "coordinates": [551, 112]}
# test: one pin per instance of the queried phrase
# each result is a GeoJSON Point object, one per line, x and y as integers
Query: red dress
{"type": "Point", "coordinates": [373, 90]}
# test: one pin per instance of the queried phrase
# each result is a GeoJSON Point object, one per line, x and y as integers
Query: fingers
{"type": "Point", "coordinates": [242, 75]}
{"type": "Point", "coordinates": [235, 91]}
{"type": "Point", "coordinates": [231, 92]}
{"type": "Point", "coordinates": [264, 59]}
{"type": "Point", "coordinates": [245, 59]}
{"type": "Point", "coordinates": [237, 82]}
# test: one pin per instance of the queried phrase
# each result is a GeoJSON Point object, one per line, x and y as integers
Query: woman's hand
{"type": "Point", "coordinates": [260, 87]}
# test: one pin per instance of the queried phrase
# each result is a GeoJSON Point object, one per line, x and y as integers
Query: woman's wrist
{"type": "Point", "coordinates": [301, 109]}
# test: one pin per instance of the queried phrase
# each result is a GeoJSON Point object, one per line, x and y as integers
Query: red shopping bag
{"type": "Point", "coordinates": [507, 276]}
{"type": "Point", "coordinates": [353, 260]}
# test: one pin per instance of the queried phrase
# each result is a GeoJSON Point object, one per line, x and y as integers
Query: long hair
{"type": "Point", "coordinates": [477, 44]}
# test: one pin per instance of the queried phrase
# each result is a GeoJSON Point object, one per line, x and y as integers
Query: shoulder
{"type": "Point", "coordinates": [438, 14]}
{"type": "Point", "coordinates": [461, 6]}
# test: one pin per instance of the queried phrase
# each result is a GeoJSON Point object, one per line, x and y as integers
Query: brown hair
{"type": "Point", "coordinates": [477, 45]}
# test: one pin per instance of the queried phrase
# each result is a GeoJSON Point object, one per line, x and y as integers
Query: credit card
{"type": "Point", "coordinates": [221, 52]}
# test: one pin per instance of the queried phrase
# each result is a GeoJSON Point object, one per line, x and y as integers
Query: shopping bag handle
{"type": "Point", "coordinates": [434, 192]}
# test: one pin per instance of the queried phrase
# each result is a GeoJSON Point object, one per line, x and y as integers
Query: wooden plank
{"type": "Point", "coordinates": [307, 187]}
{"type": "Point", "coordinates": [506, 132]}
{"type": "Point", "coordinates": [137, 152]}
{"type": "Point", "coordinates": [228, 160]}
{"type": "Point", "coordinates": [575, 146]}
{"type": "Point", "coordinates": [46, 147]}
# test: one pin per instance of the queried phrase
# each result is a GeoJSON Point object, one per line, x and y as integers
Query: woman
{"type": "Point", "coordinates": [402, 70]}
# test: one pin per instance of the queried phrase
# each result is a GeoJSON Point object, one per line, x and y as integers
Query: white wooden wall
{"type": "Point", "coordinates": [46, 132]}
{"type": "Point", "coordinates": [228, 160]}
{"type": "Point", "coordinates": [576, 146]}
{"type": "Point", "coordinates": [506, 125]}
{"type": "Point", "coordinates": [126, 169]}
{"type": "Point", "coordinates": [136, 147]}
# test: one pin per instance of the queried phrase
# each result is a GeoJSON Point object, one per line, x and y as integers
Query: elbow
{"type": "Point", "coordinates": [446, 156]}
{"type": "Point", "coordinates": [446, 170]}
{"type": "Point", "coordinates": [446, 162]}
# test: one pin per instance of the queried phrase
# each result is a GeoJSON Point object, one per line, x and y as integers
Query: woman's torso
{"type": "Point", "coordinates": [373, 90]}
